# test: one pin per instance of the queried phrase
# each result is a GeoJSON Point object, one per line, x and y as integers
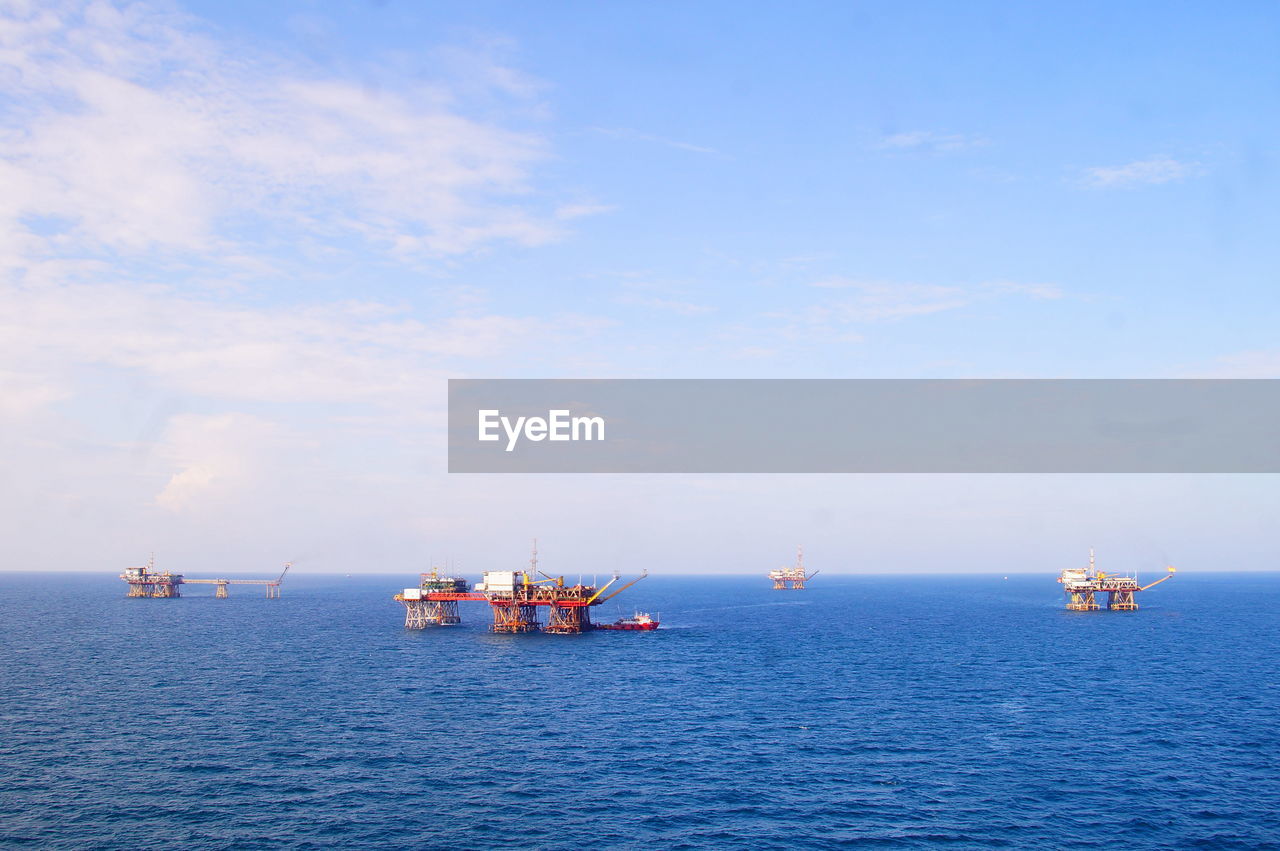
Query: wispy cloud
{"type": "Point", "coordinates": [879, 301]}
{"type": "Point", "coordinates": [850, 306]}
{"type": "Point", "coordinates": [567, 212]}
{"type": "Point", "coordinates": [645, 290]}
{"type": "Point", "coordinates": [683, 308]}
{"type": "Point", "coordinates": [131, 132]}
{"type": "Point", "coordinates": [1155, 170]}
{"type": "Point", "coordinates": [928, 141]}
{"type": "Point", "coordinates": [995, 288]}
{"type": "Point", "coordinates": [1257, 363]}
{"type": "Point", "coordinates": [341, 353]}
{"type": "Point", "coordinates": [637, 136]}
{"type": "Point", "coordinates": [219, 409]}
{"type": "Point", "coordinates": [874, 301]}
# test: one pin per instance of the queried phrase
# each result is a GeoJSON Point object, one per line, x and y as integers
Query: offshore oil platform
{"type": "Point", "coordinates": [515, 598]}
{"type": "Point", "coordinates": [148, 582]}
{"type": "Point", "coordinates": [1081, 584]}
{"type": "Point", "coordinates": [792, 578]}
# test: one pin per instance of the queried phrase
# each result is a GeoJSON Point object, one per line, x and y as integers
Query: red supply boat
{"type": "Point", "coordinates": [640, 620]}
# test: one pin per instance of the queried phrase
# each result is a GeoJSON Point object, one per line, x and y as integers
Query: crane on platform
{"type": "Point", "coordinates": [1171, 571]}
{"type": "Point", "coordinates": [643, 574]}
{"type": "Point", "coordinates": [605, 587]}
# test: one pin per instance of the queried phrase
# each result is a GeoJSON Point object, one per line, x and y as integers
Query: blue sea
{"type": "Point", "coordinates": [864, 712]}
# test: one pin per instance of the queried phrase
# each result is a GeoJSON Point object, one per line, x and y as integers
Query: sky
{"type": "Point", "coordinates": [244, 245]}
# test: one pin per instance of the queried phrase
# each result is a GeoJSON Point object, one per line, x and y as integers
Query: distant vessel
{"type": "Point", "coordinates": [640, 620]}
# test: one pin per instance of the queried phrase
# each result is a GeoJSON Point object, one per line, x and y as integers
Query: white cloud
{"type": "Point", "coordinates": [126, 131]}
{"type": "Point", "coordinates": [185, 487]}
{"type": "Point", "coordinates": [1258, 363]}
{"type": "Point", "coordinates": [134, 148]}
{"type": "Point", "coordinates": [1049, 291]}
{"type": "Point", "coordinates": [351, 352]}
{"type": "Point", "coordinates": [924, 140]}
{"type": "Point", "coordinates": [219, 455]}
{"type": "Point", "coordinates": [669, 305]}
{"type": "Point", "coordinates": [637, 136]}
{"type": "Point", "coordinates": [1156, 170]}
{"type": "Point", "coordinates": [878, 301]}
{"type": "Point", "coordinates": [220, 413]}
{"type": "Point", "coordinates": [24, 394]}
{"type": "Point", "coordinates": [874, 301]}
{"type": "Point", "coordinates": [576, 211]}
{"type": "Point", "coordinates": [479, 70]}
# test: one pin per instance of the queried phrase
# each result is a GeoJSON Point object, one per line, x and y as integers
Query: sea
{"type": "Point", "coordinates": [864, 712]}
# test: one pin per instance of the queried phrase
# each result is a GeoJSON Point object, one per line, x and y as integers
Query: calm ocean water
{"type": "Point", "coordinates": [872, 712]}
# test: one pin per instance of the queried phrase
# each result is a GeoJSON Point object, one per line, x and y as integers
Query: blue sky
{"type": "Point", "coordinates": [244, 245]}
{"type": "Point", "coordinates": [1119, 154]}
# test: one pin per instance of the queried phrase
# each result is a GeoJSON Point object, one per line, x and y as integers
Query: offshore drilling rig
{"type": "Point", "coordinates": [149, 582]}
{"type": "Point", "coordinates": [1081, 584]}
{"type": "Point", "coordinates": [793, 575]}
{"type": "Point", "coordinates": [515, 599]}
